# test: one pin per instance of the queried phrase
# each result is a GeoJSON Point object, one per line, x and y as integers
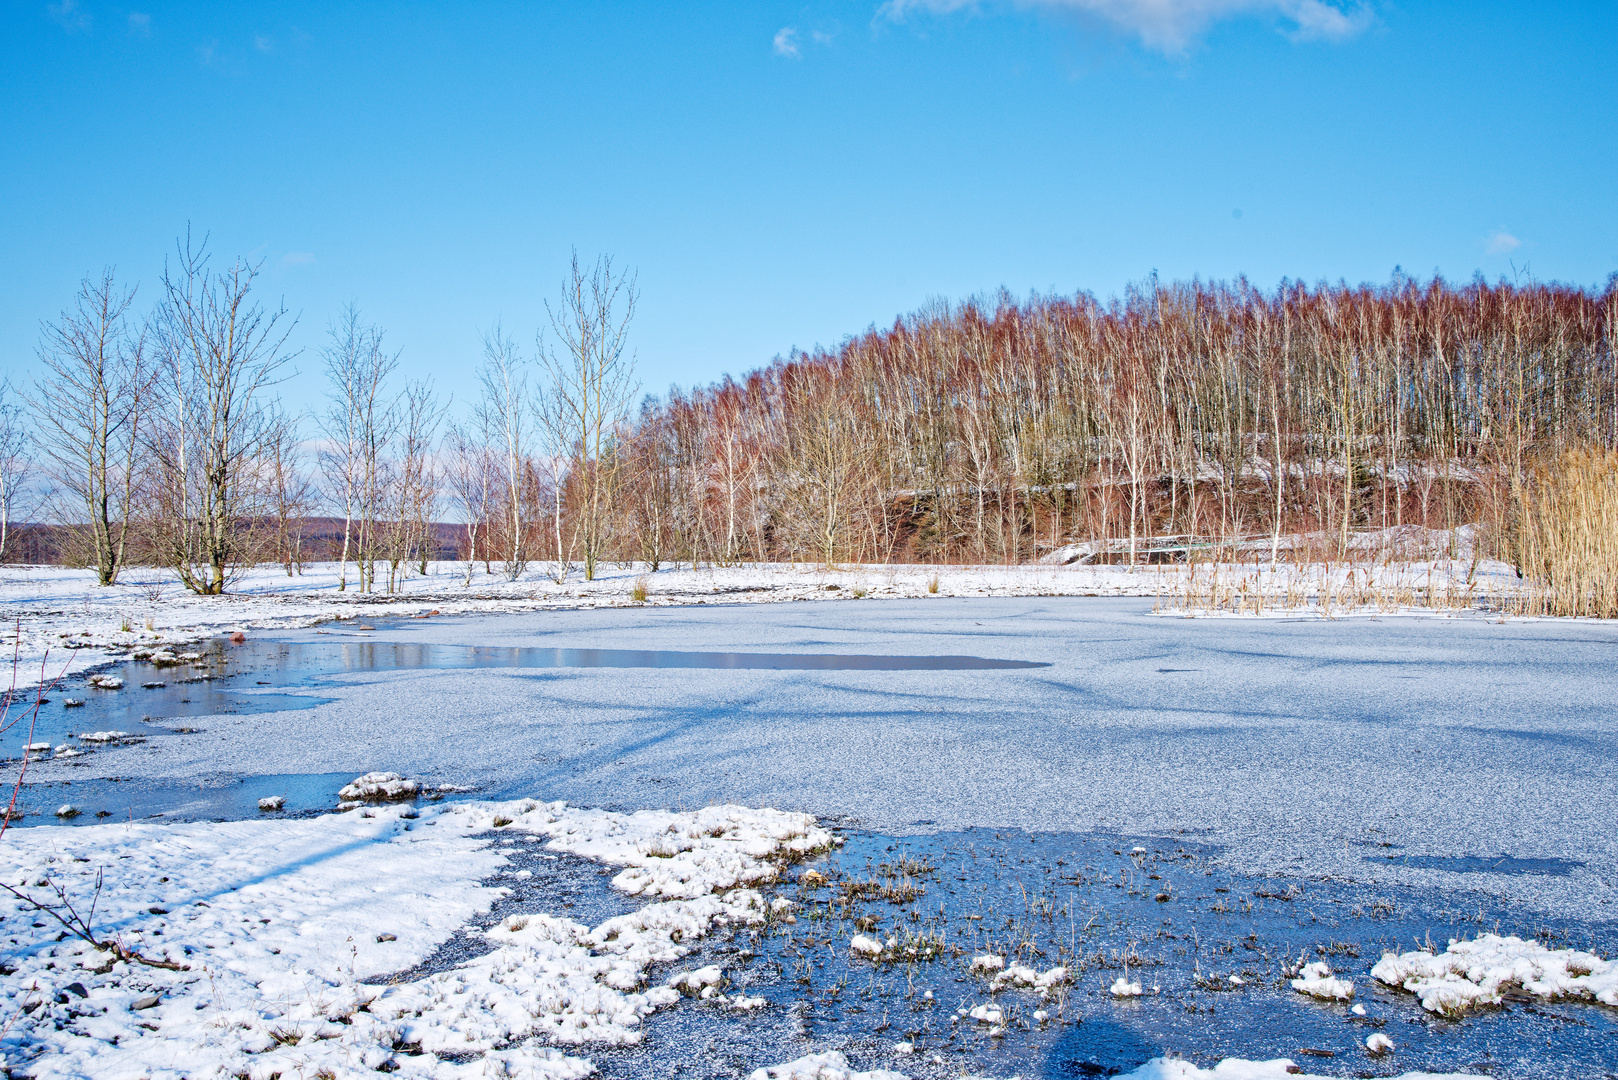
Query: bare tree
{"type": "Point", "coordinates": [504, 413]}
{"type": "Point", "coordinates": [90, 410]}
{"type": "Point", "coordinates": [553, 425]}
{"type": "Point", "coordinates": [411, 494]}
{"type": "Point", "coordinates": [292, 494]}
{"type": "Point", "coordinates": [14, 463]}
{"type": "Point", "coordinates": [593, 379]}
{"type": "Point", "coordinates": [358, 425]}
{"type": "Point", "coordinates": [470, 475]}
{"type": "Point", "coordinates": [220, 351]}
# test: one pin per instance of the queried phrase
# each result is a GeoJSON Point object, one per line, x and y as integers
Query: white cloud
{"type": "Point", "coordinates": [72, 17]}
{"type": "Point", "coordinates": [1172, 26]}
{"type": "Point", "coordinates": [140, 23]}
{"type": "Point", "coordinates": [1501, 242]}
{"type": "Point", "coordinates": [298, 258]}
{"type": "Point", "coordinates": [786, 42]}
{"type": "Point", "coordinates": [263, 44]}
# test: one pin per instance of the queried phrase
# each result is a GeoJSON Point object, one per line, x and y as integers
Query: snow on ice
{"type": "Point", "coordinates": [1480, 972]}
{"type": "Point", "coordinates": [258, 923]}
{"type": "Point", "coordinates": [1316, 980]}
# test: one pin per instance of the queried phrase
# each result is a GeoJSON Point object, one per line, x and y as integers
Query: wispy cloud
{"type": "Point", "coordinates": [786, 42]}
{"type": "Point", "coordinates": [298, 258]}
{"type": "Point", "coordinates": [1501, 242]}
{"type": "Point", "coordinates": [140, 23]}
{"type": "Point", "coordinates": [263, 44]}
{"type": "Point", "coordinates": [73, 18]}
{"type": "Point", "coordinates": [1171, 27]}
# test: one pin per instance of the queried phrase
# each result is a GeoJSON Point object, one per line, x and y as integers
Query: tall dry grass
{"type": "Point", "coordinates": [1568, 536]}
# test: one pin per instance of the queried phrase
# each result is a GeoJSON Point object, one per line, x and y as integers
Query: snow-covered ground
{"type": "Point", "coordinates": [270, 931]}
{"type": "Point", "coordinates": [266, 949]}
{"type": "Point", "coordinates": [55, 619]}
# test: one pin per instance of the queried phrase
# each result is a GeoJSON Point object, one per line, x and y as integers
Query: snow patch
{"type": "Point", "coordinates": [274, 925]}
{"type": "Point", "coordinates": [1316, 980]}
{"type": "Point", "coordinates": [1480, 972]}
{"type": "Point", "coordinates": [379, 787]}
{"type": "Point", "coordinates": [831, 1065]}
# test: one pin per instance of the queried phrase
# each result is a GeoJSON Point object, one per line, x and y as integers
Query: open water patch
{"type": "Point", "coordinates": [1480, 864]}
{"type": "Point", "coordinates": [175, 694]}
{"type": "Point", "coordinates": [1213, 951]}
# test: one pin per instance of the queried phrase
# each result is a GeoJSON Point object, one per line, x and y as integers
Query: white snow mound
{"type": "Point", "coordinates": [831, 1065]}
{"type": "Point", "coordinates": [379, 787]}
{"type": "Point", "coordinates": [865, 946]}
{"type": "Point", "coordinates": [1316, 980]}
{"type": "Point", "coordinates": [1482, 971]}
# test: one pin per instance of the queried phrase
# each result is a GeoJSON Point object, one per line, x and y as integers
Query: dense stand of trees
{"type": "Point", "coordinates": [996, 430]}
{"type": "Point", "coordinates": [1181, 417]}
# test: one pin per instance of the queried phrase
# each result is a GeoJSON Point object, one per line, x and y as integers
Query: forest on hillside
{"type": "Point", "coordinates": [995, 430]}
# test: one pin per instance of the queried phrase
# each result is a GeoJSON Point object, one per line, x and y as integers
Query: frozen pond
{"type": "Point", "coordinates": [1294, 787]}
{"type": "Point", "coordinates": [1304, 747]}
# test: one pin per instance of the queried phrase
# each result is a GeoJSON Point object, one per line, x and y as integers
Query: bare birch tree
{"type": "Point", "coordinates": [504, 413]}
{"type": "Point", "coordinates": [593, 382]}
{"type": "Point", "coordinates": [90, 409]}
{"type": "Point", "coordinates": [469, 474]}
{"type": "Point", "coordinates": [292, 496]}
{"type": "Point", "coordinates": [220, 351]}
{"type": "Point", "coordinates": [553, 426]}
{"type": "Point", "coordinates": [14, 463]}
{"type": "Point", "coordinates": [358, 425]}
{"type": "Point", "coordinates": [411, 494]}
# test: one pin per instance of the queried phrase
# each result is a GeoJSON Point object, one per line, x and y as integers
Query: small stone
{"type": "Point", "coordinates": [146, 1002]}
{"type": "Point", "coordinates": [386, 937]}
{"type": "Point", "coordinates": [77, 989]}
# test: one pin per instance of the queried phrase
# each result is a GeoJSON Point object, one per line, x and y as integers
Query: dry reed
{"type": "Point", "coordinates": [1568, 536]}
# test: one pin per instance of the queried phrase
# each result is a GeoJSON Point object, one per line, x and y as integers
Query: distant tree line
{"type": "Point", "coordinates": [1178, 417]}
{"type": "Point", "coordinates": [158, 439]}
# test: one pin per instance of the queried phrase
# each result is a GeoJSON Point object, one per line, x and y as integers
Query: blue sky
{"type": "Point", "coordinates": [784, 174]}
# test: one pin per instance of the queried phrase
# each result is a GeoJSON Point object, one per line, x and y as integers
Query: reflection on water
{"type": "Point", "coordinates": [1478, 864]}
{"type": "Point", "coordinates": [387, 656]}
{"type": "Point", "coordinates": [175, 701]}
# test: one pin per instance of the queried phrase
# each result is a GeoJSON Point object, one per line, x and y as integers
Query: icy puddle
{"type": "Point", "coordinates": [1073, 955]}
